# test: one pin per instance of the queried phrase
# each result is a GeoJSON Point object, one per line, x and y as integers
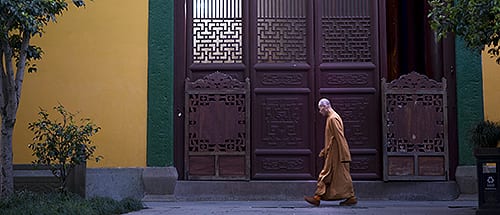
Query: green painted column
{"type": "Point", "coordinates": [160, 83]}
{"type": "Point", "coordinates": [469, 97]}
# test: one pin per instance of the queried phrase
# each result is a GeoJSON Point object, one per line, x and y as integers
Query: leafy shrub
{"type": "Point", "coordinates": [63, 144]}
{"type": "Point", "coordinates": [485, 134]}
{"type": "Point", "coordinates": [476, 21]}
{"type": "Point", "coordinates": [24, 203]}
{"type": "Point", "coordinates": [104, 205]}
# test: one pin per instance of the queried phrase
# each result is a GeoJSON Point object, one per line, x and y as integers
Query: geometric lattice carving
{"type": "Point", "coordinates": [406, 134]}
{"type": "Point", "coordinates": [281, 121]}
{"type": "Point", "coordinates": [354, 114]}
{"type": "Point", "coordinates": [281, 40]}
{"type": "Point", "coordinates": [217, 40]}
{"type": "Point", "coordinates": [346, 39]}
{"type": "Point", "coordinates": [281, 31]}
{"type": "Point", "coordinates": [217, 128]}
{"type": "Point", "coordinates": [416, 128]}
{"type": "Point", "coordinates": [217, 31]}
{"type": "Point", "coordinates": [346, 30]}
{"type": "Point", "coordinates": [230, 134]}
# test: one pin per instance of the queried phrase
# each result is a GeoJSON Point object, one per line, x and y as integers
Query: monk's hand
{"type": "Point", "coordinates": [322, 153]}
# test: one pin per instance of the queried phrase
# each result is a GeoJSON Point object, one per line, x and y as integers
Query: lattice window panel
{"type": "Point", "coordinates": [415, 128]}
{"type": "Point", "coordinates": [219, 106]}
{"type": "Point", "coordinates": [281, 31]}
{"type": "Point", "coordinates": [419, 104]}
{"type": "Point", "coordinates": [217, 31]}
{"type": "Point", "coordinates": [346, 26]}
{"type": "Point", "coordinates": [217, 128]}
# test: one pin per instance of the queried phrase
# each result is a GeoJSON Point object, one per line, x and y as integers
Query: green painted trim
{"type": "Point", "coordinates": [160, 83]}
{"type": "Point", "coordinates": [469, 97]}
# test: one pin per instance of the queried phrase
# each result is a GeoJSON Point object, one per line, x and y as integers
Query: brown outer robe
{"type": "Point", "coordinates": [334, 181]}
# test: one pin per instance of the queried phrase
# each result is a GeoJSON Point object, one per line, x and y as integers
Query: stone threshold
{"type": "Point", "coordinates": [295, 190]}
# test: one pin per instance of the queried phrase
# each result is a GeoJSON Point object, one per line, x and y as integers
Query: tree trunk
{"type": "Point", "coordinates": [11, 93]}
{"type": "Point", "coordinates": [7, 172]}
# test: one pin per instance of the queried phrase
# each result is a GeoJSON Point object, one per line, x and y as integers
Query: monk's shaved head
{"type": "Point", "coordinates": [324, 102]}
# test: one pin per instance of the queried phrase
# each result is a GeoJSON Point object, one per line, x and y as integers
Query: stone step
{"type": "Point", "coordinates": [295, 190]}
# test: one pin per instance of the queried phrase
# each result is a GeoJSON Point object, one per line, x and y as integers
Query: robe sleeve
{"type": "Point", "coordinates": [338, 135]}
{"type": "Point", "coordinates": [329, 136]}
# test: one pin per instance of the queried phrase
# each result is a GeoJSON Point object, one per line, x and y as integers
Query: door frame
{"type": "Point", "coordinates": [180, 66]}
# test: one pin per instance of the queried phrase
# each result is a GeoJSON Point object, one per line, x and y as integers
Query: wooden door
{"type": "Point", "coordinates": [294, 52]}
{"type": "Point", "coordinates": [216, 133]}
{"type": "Point", "coordinates": [302, 51]}
{"type": "Point", "coordinates": [283, 87]}
{"type": "Point", "coordinates": [348, 73]}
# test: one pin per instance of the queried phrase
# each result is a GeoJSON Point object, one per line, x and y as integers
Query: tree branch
{"type": "Point", "coordinates": [9, 73]}
{"type": "Point", "coordinates": [21, 65]}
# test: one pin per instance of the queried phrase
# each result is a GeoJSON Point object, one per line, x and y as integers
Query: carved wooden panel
{"type": "Point", "coordinates": [354, 113]}
{"type": "Point", "coordinates": [400, 166]}
{"type": "Point", "coordinates": [282, 134]}
{"type": "Point", "coordinates": [364, 165]}
{"type": "Point", "coordinates": [282, 166]}
{"type": "Point", "coordinates": [348, 79]}
{"type": "Point", "coordinates": [217, 123]}
{"type": "Point", "coordinates": [282, 80]}
{"type": "Point", "coordinates": [431, 166]}
{"type": "Point", "coordinates": [283, 122]}
{"type": "Point", "coordinates": [415, 128]}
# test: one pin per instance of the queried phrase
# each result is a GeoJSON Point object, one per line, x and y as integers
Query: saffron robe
{"type": "Point", "coordinates": [334, 181]}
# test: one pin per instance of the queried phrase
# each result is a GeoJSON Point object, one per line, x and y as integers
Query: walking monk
{"type": "Point", "coordinates": [334, 181]}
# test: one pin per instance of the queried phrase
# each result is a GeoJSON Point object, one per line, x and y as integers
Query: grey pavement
{"type": "Point", "coordinates": [457, 207]}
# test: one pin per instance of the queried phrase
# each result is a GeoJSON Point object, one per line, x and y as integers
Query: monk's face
{"type": "Point", "coordinates": [323, 110]}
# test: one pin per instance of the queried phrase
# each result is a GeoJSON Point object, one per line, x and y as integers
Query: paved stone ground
{"type": "Point", "coordinates": [464, 207]}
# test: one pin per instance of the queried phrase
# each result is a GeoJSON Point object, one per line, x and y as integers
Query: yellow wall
{"type": "Point", "coordinates": [95, 62]}
{"type": "Point", "coordinates": [491, 87]}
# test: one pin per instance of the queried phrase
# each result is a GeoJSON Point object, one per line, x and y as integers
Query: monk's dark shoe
{"type": "Point", "coordinates": [311, 200]}
{"type": "Point", "coordinates": [349, 202]}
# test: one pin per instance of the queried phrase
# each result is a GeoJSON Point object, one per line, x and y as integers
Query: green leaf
{"type": "Point", "coordinates": [476, 21]}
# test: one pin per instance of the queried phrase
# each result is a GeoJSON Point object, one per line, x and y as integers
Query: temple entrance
{"type": "Point", "coordinates": [294, 52]}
